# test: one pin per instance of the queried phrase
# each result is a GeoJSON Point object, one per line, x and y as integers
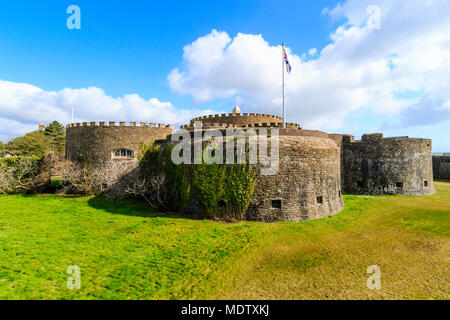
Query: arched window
{"type": "Point", "coordinates": [123, 153]}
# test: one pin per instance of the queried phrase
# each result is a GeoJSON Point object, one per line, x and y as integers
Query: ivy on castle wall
{"type": "Point", "coordinates": [216, 191]}
{"type": "Point", "coordinates": [209, 185]}
{"type": "Point", "coordinates": [240, 187]}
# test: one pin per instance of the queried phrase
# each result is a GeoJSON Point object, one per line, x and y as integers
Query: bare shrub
{"type": "Point", "coordinates": [86, 179]}
{"type": "Point", "coordinates": [153, 189]}
{"type": "Point", "coordinates": [4, 183]}
{"type": "Point", "coordinates": [116, 181]}
{"type": "Point", "coordinates": [21, 175]}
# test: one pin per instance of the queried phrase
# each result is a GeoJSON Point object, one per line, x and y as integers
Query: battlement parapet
{"type": "Point", "coordinates": [292, 125]}
{"type": "Point", "coordinates": [217, 125]}
{"type": "Point", "coordinates": [238, 118]}
{"type": "Point", "coordinates": [378, 138]}
{"type": "Point", "coordinates": [121, 124]}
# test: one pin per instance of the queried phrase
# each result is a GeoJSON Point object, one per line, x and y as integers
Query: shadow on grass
{"type": "Point", "coordinates": [130, 207]}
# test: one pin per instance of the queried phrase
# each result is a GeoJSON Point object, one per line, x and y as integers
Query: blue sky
{"type": "Point", "coordinates": [128, 61]}
{"type": "Point", "coordinates": [127, 47]}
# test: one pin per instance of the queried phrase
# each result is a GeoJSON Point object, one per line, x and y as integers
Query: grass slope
{"type": "Point", "coordinates": [126, 251]}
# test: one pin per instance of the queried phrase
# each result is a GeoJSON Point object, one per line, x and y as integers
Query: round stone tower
{"type": "Point", "coordinates": [397, 166]}
{"type": "Point", "coordinates": [101, 142]}
{"type": "Point", "coordinates": [307, 185]}
{"type": "Point", "coordinates": [241, 120]}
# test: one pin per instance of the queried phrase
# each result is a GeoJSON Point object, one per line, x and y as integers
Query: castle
{"type": "Point", "coordinates": [315, 168]}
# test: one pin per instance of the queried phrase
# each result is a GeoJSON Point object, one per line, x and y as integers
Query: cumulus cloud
{"type": "Point", "coordinates": [376, 56]}
{"type": "Point", "coordinates": [23, 106]}
{"type": "Point", "coordinates": [11, 128]}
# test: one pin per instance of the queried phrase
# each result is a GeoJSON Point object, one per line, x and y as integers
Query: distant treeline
{"type": "Point", "coordinates": [36, 143]}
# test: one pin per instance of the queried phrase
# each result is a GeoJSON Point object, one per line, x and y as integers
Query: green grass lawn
{"type": "Point", "coordinates": [126, 251]}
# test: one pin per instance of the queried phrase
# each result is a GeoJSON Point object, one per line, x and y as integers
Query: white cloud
{"type": "Point", "coordinates": [11, 128]}
{"type": "Point", "coordinates": [312, 51]}
{"type": "Point", "coordinates": [23, 106]}
{"type": "Point", "coordinates": [363, 66]}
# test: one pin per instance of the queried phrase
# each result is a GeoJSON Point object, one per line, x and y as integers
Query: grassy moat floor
{"type": "Point", "coordinates": [125, 251]}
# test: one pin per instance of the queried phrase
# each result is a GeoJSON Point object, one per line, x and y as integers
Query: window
{"type": "Point", "coordinates": [425, 183]}
{"type": "Point", "coordinates": [123, 153]}
{"type": "Point", "coordinates": [340, 193]}
{"type": "Point", "coordinates": [399, 184]}
{"type": "Point", "coordinates": [276, 203]}
{"type": "Point", "coordinates": [320, 200]}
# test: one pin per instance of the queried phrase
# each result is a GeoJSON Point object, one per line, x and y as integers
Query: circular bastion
{"type": "Point", "coordinates": [376, 165]}
{"type": "Point", "coordinates": [306, 186]}
{"type": "Point", "coordinates": [102, 142]}
{"type": "Point", "coordinates": [238, 120]}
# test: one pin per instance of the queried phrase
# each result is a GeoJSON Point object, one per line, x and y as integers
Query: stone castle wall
{"type": "Point", "coordinates": [315, 168]}
{"type": "Point", "coordinates": [244, 120]}
{"type": "Point", "coordinates": [441, 167]}
{"type": "Point", "coordinates": [377, 165]}
{"type": "Point", "coordinates": [96, 141]}
{"type": "Point", "coordinates": [307, 185]}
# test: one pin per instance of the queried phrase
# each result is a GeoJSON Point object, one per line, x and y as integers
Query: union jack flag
{"type": "Point", "coordinates": [286, 61]}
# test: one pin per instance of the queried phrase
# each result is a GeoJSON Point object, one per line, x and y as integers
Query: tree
{"type": "Point", "coordinates": [55, 131]}
{"type": "Point", "coordinates": [2, 149]}
{"type": "Point", "coordinates": [32, 144]}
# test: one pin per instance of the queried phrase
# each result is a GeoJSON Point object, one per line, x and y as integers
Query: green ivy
{"type": "Point", "coordinates": [209, 186]}
{"type": "Point", "coordinates": [213, 190]}
{"type": "Point", "coordinates": [240, 187]}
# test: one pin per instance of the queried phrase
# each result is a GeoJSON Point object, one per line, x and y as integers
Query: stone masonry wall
{"type": "Point", "coordinates": [377, 165]}
{"type": "Point", "coordinates": [241, 120]}
{"type": "Point", "coordinates": [441, 167]}
{"type": "Point", "coordinates": [315, 169]}
{"type": "Point", "coordinates": [307, 185]}
{"type": "Point", "coordinates": [96, 142]}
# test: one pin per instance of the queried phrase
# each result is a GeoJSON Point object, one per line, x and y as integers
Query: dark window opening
{"type": "Point", "coordinates": [320, 200]}
{"type": "Point", "coordinates": [124, 153]}
{"type": "Point", "coordinates": [276, 204]}
{"type": "Point", "coordinates": [425, 183]}
{"type": "Point", "coordinates": [340, 195]}
{"type": "Point", "coordinates": [399, 184]}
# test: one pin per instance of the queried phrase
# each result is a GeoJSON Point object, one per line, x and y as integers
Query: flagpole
{"type": "Point", "coordinates": [282, 85]}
